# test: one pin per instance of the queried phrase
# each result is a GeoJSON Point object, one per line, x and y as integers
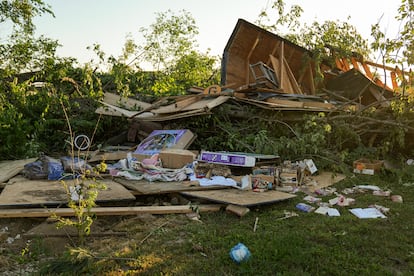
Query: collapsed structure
{"type": "Point", "coordinates": [258, 68]}
{"type": "Point", "coordinates": [263, 69]}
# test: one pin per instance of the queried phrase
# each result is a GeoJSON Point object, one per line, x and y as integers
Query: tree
{"type": "Point", "coordinates": [169, 38]}
{"type": "Point", "coordinates": [399, 50]}
{"type": "Point", "coordinates": [22, 12]}
{"type": "Point", "coordinates": [320, 38]}
{"type": "Point", "coordinates": [22, 51]}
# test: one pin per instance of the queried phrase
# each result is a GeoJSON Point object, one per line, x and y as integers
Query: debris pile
{"type": "Point", "coordinates": [258, 69]}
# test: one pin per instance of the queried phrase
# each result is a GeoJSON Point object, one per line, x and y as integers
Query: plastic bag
{"type": "Point", "coordinates": [35, 170]}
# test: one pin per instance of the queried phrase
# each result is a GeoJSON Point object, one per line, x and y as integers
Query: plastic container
{"type": "Point", "coordinates": [240, 253]}
{"type": "Point", "coordinates": [305, 207]}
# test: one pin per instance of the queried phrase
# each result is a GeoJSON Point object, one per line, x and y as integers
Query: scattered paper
{"type": "Point", "coordinates": [341, 201]}
{"type": "Point", "coordinates": [367, 213]}
{"type": "Point", "coordinates": [312, 199]}
{"type": "Point", "coordinates": [332, 212]}
{"type": "Point", "coordinates": [369, 187]}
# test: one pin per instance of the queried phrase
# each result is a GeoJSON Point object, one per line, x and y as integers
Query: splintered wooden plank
{"type": "Point", "coordinates": [178, 105]}
{"type": "Point", "coordinates": [378, 96]}
{"type": "Point", "coordinates": [145, 187]}
{"type": "Point", "coordinates": [285, 75]}
{"type": "Point", "coordinates": [240, 197]}
{"type": "Point", "coordinates": [207, 103]}
{"type": "Point", "coordinates": [280, 75]}
{"type": "Point", "coordinates": [43, 192]}
{"type": "Point", "coordinates": [318, 105]}
{"type": "Point", "coordinates": [115, 111]}
{"type": "Point", "coordinates": [117, 100]}
{"type": "Point", "coordinates": [178, 115]}
{"type": "Point", "coordinates": [10, 168]}
{"type": "Point", "coordinates": [285, 103]}
{"type": "Point", "coordinates": [292, 79]}
{"type": "Point", "coordinates": [108, 211]}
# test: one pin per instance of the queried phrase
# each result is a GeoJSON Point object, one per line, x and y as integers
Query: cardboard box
{"type": "Point", "coordinates": [367, 166]}
{"type": "Point", "coordinates": [228, 158]}
{"type": "Point", "coordinates": [289, 177]}
{"type": "Point", "coordinates": [176, 158]}
{"type": "Point", "coordinates": [263, 177]}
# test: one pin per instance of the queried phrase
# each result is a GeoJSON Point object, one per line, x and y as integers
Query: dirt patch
{"type": "Point", "coordinates": [25, 241]}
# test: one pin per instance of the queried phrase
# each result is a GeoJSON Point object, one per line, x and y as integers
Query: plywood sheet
{"type": "Point", "coordinates": [240, 197]}
{"type": "Point", "coordinates": [243, 49]}
{"type": "Point", "coordinates": [10, 168]}
{"type": "Point", "coordinates": [43, 192]}
{"type": "Point", "coordinates": [178, 105]}
{"type": "Point", "coordinates": [145, 187]}
{"type": "Point", "coordinates": [129, 103]}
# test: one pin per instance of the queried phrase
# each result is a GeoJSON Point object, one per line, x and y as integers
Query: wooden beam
{"type": "Point", "coordinates": [346, 64]}
{"type": "Point", "coordinates": [281, 58]}
{"type": "Point", "coordinates": [311, 80]}
{"type": "Point", "coordinates": [256, 42]}
{"type": "Point", "coordinates": [274, 52]}
{"type": "Point", "coordinates": [308, 68]}
{"type": "Point", "coordinates": [394, 80]}
{"type": "Point", "coordinates": [292, 78]}
{"type": "Point", "coordinates": [382, 66]}
{"type": "Point", "coordinates": [368, 72]}
{"type": "Point", "coordinates": [284, 83]}
{"type": "Point", "coordinates": [107, 211]}
{"type": "Point", "coordinates": [355, 63]}
{"type": "Point", "coordinates": [238, 210]}
{"type": "Point", "coordinates": [379, 97]}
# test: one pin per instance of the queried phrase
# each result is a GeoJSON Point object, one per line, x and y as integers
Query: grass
{"type": "Point", "coordinates": [308, 244]}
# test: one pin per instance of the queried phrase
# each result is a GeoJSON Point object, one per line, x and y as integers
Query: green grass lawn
{"type": "Point", "coordinates": [307, 244]}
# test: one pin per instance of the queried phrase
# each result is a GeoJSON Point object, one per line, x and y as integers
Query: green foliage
{"type": "Point", "coordinates": [288, 20]}
{"type": "Point", "coordinates": [81, 199]}
{"type": "Point", "coordinates": [21, 50]}
{"type": "Point", "coordinates": [325, 40]}
{"type": "Point", "coordinates": [18, 130]}
{"type": "Point", "coordinates": [192, 69]}
{"type": "Point", "coordinates": [398, 50]}
{"type": "Point", "coordinates": [82, 193]}
{"type": "Point", "coordinates": [22, 12]}
{"type": "Point", "coordinates": [169, 38]}
{"type": "Point", "coordinates": [340, 37]}
{"type": "Point", "coordinates": [170, 49]}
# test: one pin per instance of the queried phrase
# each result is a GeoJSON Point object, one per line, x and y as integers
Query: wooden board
{"type": "Point", "coordinates": [285, 103]}
{"type": "Point", "coordinates": [199, 103]}
{"type": "Point", "coordinates": [108, 211]}
{"type": "Point", "coordinates": [105, 156]}
{"type": "Point", "coordinates": [116, 110]}
{"type": "Point", "coordinates": [10, 168]}
{"type": "Point", "coordinates": [243, 48]}
{"type": "Point", "coordinates": [318, 105]}
{"type": "Point", "coordinates": [178, 105]}
{"type": "Point", "coordinates": [43, 192]}
{"type": "Point", "coordinates": [129, 103]}
{"type": "Point", "coordinates": [240, 197]}
{"type": "Point", "coordinates": [145, 187]}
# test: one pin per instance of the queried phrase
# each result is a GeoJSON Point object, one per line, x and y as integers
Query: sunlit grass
{"type": "Point", "coordinates": [307, 244]}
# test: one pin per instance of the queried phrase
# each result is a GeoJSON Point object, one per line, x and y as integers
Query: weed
{"type": "Point", "coordinates": [81, 195]}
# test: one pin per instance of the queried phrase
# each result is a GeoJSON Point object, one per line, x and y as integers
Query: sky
{"type": "Point", "coordinates": [81, 23]}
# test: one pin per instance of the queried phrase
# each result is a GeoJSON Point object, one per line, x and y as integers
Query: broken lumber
{"type": "Point", "coordinates": [238, 210]}
{"type": "Point", "coordinates": [107, 211]}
